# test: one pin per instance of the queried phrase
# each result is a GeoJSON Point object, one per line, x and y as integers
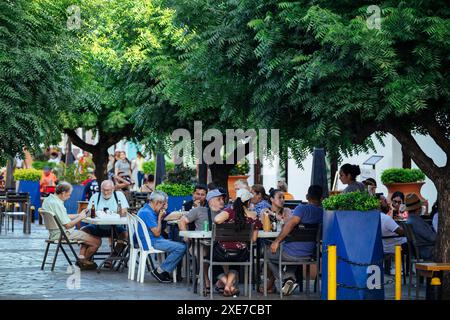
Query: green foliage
{"type": "Point", "coordinates": [27, 174]}
{"type": "Point", "coordinates": [70, 174]}
{"type": "Point", "coordinates": [400, 175]}
{"type": "Point", "coordinates": [182, 175]}
{"type": "Point", "coordinates": [34, 73]}
{"type": "Point", "coordinates": [176, 189]}
{"type": "Point", "coordinates": [150, 167]}
{"type": "Point", "coordinates": [39, 165]}
{"type": "Point", "coordinates": [352, 201]}
{"type": "Point", "coordinates": [241, 168]}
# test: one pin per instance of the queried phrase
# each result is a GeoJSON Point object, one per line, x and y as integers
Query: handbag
{"type": "Point", "coordinates": [221, 254]}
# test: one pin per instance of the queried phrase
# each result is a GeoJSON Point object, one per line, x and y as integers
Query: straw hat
{"type": "Point", "coordinates": [412, 202]}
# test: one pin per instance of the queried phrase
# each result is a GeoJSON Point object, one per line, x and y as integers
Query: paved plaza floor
{"type": "Point", "coordinates": [21, 278]}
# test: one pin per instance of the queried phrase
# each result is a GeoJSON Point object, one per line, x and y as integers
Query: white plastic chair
{"type": "Point", "coordinates": [144, 254]}
{"type": "Point", "coordinates": [133, 248]}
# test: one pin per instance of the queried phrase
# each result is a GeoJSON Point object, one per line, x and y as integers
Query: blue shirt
{"type": "Point", "coordinates": [308, 214]}
{"type": "Point", "coordinates": [261, 205]}
{"type": "Point", "coordinates": [150, 218]}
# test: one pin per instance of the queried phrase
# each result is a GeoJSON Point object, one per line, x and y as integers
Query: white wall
{"type": "Point", "coordinates": [299, 179]}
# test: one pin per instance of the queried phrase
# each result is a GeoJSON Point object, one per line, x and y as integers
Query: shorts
{"type": "Point", "coordinates": [74, 234]}
{"type": "Point", "coordinates": [104, 232]}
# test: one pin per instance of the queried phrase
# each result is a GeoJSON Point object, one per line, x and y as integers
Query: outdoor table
{"type": "Point", "coordinates": [196, 236]}
{"type": "Point", "coordinates": [113, 222]}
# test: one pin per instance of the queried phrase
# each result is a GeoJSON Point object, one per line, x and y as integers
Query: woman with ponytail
{"type": "Point", "coordinates": [347, 175]}
{"type": "Point", "coordinates": [239, 215]}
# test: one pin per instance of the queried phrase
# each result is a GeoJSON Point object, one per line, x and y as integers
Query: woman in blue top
{"type": "Point", "coordinates": [260, 199]}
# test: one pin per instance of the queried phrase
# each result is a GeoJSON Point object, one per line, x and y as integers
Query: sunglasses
{"type": "Point", "coordinates": [396, 201]}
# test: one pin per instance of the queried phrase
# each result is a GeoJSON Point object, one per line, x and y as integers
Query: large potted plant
{"type": "Point", "coordinates": [29, 182]}
{"type": "Point", "coordinates": [178, 193]}
{"type": "Point", "coordinates": [404, 180]}
{"type": "Point", "coordinates": [239, 172]}
{"type": "Point", "coordinates": [352, 222]}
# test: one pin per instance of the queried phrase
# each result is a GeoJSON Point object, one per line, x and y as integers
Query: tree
{"type": "Point", "coordinates": [324, 78]}
{"type": "Point", "coordinates": [34, 72]}
{"type": "Point", "coordinates": [122, 45]}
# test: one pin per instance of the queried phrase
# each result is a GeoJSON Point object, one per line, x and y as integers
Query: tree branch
{"type": "Point", "coordinates": [76, 140]}
{"type": "Point", "coordinates": [411, 147]}
{"type": "Point", "coordinates": [436, 131]}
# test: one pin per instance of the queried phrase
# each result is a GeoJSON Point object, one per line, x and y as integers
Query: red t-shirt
{"type": "Point", "coordinates": [235, 244]}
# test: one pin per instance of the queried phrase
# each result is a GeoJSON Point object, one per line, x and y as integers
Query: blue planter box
{"type": "Point", "coordinates": [32, 187]}
{"type": "Point", "coordinates": [77, 195]}
{"type": "Point", "coordinates": [175, 203]}
{"type": "Point", "coordinates": [357, 236]}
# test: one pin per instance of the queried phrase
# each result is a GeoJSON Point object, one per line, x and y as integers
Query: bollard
{"type": "Point", "coordinates": [434, 290]}
{"type": "Point", "coordinates": [332, 272]}
{"type": "Point", "coordinates": [398, 272]}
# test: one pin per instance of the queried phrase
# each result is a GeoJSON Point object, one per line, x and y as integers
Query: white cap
{"type": "Point", "coordinates": [244, 194]}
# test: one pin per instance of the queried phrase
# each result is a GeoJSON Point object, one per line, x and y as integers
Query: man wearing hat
{"type": "Point", "coordinates": [425, 235]}
{"type": "Point", "coordinates": [204, 216]}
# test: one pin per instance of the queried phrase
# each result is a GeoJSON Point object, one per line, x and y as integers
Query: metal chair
{"type": "Point", "coordinates": [52, 223]}
{"type": "Point", "coordinates": [226, 232]}
{"type": "Point", "coordinates": [414, 255]}
{"type": "Point", "coordinates": [303, 233]}
{"type": "Point", "coordinates": [17, 200]}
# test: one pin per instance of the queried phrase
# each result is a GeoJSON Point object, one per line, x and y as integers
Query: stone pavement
{"type": "Point", "coordinates": [21, 278]}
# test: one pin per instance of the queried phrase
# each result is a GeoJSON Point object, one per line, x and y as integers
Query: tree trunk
{"type": "Point", "coordinates": [100, 158]}
{"type": "Point", "coordinates": [220, 173]}
{"type": "Point", "coordinates": [406, 160]}
{"type": "Point", "coordinates": [442, 247]}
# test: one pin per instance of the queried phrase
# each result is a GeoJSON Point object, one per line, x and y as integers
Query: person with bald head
{"type": "Point", "coordinates": [108, 200]}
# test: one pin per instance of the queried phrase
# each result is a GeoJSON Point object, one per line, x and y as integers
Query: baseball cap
{"type": "Point", "coordinates": [214, 193]}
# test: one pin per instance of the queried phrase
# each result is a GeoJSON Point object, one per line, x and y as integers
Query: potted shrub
{"type": "Point", "coordinates": [239, 171]}
{"type": "Point", "coordinates": [29, 182]}
{"type": "Point", "coordinates": [178, 193]}
{"type": "Point", "coordinates": [352, 222]}
{"type": "Point", "coordinates": [404, 180]}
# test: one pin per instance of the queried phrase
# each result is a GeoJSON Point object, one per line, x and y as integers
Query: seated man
{"type": "Point", "coordinates": [202, 215]}
{"type": "Point", "coordinates": [425, 235]}
{"type": "Point", "coordinates": [152, 214]}
{"type": "Point", "coordinates": [108, 199]}
{"type": "Point", "coordinates": [54, 204]}
{"type": "Point", "coordinates": [311, 213]}
{"type": "Point", "coordinates": [48, 179]}
{"type": "Point", "coordinates": [198, 198]}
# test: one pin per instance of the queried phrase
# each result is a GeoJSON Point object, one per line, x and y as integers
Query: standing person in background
{"type": "Point", "coordinates": [48, 179]}
{"type": "Point", "coordinates": [123, 165]}
{"type": "Point", "coordinates": [140, 168]}
{"type": "Point", "coordinates": [347, 175]}
{"type": "Point", "coordinates": [284, 187]}
{"type": "Point", "coordinates": [110, 166]}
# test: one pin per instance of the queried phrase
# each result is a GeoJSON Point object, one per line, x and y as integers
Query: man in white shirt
{"type": "Point", "coordinates": [108, 200]}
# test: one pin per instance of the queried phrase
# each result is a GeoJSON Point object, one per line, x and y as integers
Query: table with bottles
{"type": "Point", "coordinates": [112, 220]}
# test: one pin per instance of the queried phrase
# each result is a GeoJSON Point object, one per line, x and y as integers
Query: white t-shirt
{"type": "Point", "coordinates": [388, 226]}
{"type": "Point", "coordinates": [435, 222]}
{"type": "Point", "coordinates": [110, 203]}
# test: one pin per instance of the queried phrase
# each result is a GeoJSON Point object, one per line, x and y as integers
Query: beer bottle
{"type": "Point", "coordinates": [119, 208]}
{"type": "Point", "coordinates": [93, 211]}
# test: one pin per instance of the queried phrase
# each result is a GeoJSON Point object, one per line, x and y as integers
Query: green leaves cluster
{"type": "Point", "coordinates": [150, 167]}
{"type": "Point", "coordinates": [27, 174]}
{"type": "Point", "coordinates": [176, 189]}
{"type": "Point", "coordinates": [400, 175]}
{"type": "Point", "coordinates": [352, 201]}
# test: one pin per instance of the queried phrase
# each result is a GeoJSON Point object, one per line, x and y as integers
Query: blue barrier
{"type": "Point", "coordinates": [357, 236]}
{"type": "Point", "coordinates": [77, 195]}
{"type": "Point", "coordinates": [32, 187]}
{"type": "Point", "coordinates": [175, 203]}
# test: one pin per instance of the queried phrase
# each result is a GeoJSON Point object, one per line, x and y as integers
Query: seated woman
{"type": "Point", "coordinates": [280, 214]}
{"type": "Point", "coordinates": [259, 200]}
{"type": "Point", "coordinates": [149, 184]}
{"type": "Point", "coordinates": [239, 215]}
{"type": "Point", "coordinates": [347, 175]}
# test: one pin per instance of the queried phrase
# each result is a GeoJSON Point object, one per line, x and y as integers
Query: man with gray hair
{"type": "Point", "coordinates": [108, 200]}
{"type": "Point", "coordinates": [152, 214]}
{"type": "Point", "coordinates": [54, 204]}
